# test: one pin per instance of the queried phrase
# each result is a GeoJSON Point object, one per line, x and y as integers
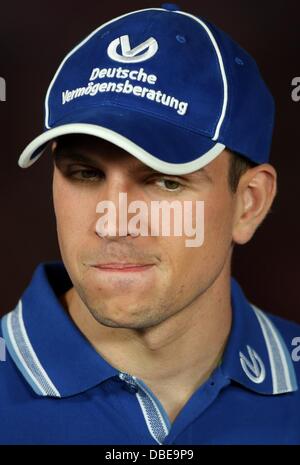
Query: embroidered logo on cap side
{"type": "Point", "coordinates": [132, 55]}
{"type": "Point", "coordinates": [254, 368]}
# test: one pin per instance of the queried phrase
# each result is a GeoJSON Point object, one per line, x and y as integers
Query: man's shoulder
{"type": "Point", "coordinates": [2, 344]}
{"type": "Point", "coordinates": [289, 332]}
{"type": "Point", "coordinates": [5, 362]}
{"type": "Point", "coordinates": [8, 367]}
{"type": "Point", "coordinates": [286, 327]}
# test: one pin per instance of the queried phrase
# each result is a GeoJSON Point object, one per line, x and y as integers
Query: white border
{"type": "Point", "coordinates": [223, 73]}
{"type": "Point", "coordinates": [121, 141]}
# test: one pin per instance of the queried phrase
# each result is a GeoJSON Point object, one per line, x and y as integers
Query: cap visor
{"type": "Point", "coordinates": [161, 145]}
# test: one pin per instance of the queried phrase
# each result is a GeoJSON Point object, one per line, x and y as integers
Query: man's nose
{"type": "Point", "coordinates": [114, 219]}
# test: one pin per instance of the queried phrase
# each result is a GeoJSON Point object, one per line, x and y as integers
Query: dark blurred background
{"type": "Point", "coordinates": [34, 38]}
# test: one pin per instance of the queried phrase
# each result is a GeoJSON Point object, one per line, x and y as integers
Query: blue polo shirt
{"type": "Point", "coordinates": [56, 389]}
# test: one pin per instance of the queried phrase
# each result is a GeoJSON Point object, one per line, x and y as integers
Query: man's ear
{"type": "Point", "coordinates": [53, 145]}
{"type": "Point", "coordinates": [254, 197]}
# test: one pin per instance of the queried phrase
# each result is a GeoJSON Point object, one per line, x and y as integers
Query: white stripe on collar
{"type": "Point", "coordinates": [282, 370]}
{"type": "Point", "coordinates": [23, 354]}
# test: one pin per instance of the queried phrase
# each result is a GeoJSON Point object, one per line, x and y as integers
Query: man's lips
{"type": "Point", "coordinates": [124, 266]}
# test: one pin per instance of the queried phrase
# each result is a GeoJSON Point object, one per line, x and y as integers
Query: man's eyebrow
{"type": "Point", "coordinates": [63, 155]}
{"type": "Point", "coordinates": [66, 155]}
{"type": "Point", "coordinates": [199, 174]}
{"type": "Point", "coordinates": [145, 168]}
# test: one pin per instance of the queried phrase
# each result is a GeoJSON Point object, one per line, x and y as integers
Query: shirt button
{"type": "Point", "coordinates": [132, 388]}
{"type": "Point", "coordinates": [129, 382]}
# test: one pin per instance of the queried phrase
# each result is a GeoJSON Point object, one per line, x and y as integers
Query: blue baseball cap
{"type": "Point", "coordinates": [166, 86]}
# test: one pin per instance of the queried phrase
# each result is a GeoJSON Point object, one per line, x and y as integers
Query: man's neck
{"type": "Point", "coordinates": [177, 355]}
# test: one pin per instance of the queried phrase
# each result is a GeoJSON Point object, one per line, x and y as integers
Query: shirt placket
{"type": "Point", "coordinates": [155, 416]}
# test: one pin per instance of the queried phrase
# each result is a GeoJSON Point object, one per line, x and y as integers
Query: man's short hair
{"type": "Point", "coordinates": [238, 166]}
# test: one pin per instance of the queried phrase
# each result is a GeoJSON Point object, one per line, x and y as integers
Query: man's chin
{"type": "Point", "coordinates": [123, 321]}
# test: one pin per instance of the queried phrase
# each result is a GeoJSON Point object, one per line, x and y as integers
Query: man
{"type": "Point", "coordinates": [138, 337]}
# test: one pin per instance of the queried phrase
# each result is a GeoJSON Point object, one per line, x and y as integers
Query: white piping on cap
{"type": "Point", "coordinates": [121, 141]}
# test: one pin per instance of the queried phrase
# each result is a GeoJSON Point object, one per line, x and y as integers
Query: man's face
{"type": "Point", "coordinates": [87, 171]}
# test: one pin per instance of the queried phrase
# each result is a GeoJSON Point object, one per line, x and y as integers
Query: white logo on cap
{"type": "Point", "coordinates": [254, 369]}
{"type": "Point", "coordinates": [132, 55]}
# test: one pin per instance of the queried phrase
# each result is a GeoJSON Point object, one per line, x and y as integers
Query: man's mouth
{"type": "Point", "coordinates": [125, 267]}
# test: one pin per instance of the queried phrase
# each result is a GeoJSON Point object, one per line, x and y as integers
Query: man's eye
{"type": "Point", "coordinates": [169, 184]}
{"type": "Point", "coordinates": [85, 175]}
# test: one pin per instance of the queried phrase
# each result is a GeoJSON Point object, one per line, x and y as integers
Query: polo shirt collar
{"type": "Point", "coordinates": [52, 354]}
{"type": "Point", "coordinates": [256, 355]}
{"type": "Point", "coordinates": [58, 361]}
